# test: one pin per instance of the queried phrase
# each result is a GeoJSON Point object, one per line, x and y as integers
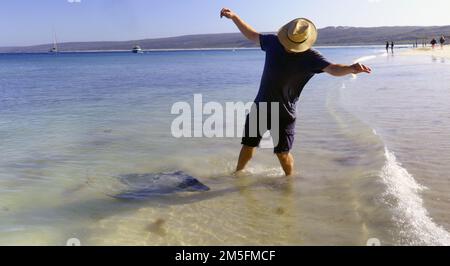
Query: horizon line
{"type": "Point", "coordinates": [217, 33]}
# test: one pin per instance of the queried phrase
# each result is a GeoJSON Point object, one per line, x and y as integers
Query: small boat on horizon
{"type": "Point", "coordinates": [55, 45]}
{"type": "Point", "coordinates": [53, 50]}
{"type": "Point", "coordinates": [137, 50]}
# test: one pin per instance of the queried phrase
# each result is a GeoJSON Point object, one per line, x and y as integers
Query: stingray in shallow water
{"type": "Point", "coordinates": [142, 186]}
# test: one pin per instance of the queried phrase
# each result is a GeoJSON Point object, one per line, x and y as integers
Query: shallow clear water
{"type": "Point", "coordinates": [71, 123]}
{"type": "Point", "coordinates": [408, 108]}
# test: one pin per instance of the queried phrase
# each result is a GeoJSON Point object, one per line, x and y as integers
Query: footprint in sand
{"type": "Point", "coordinates": [157, 227]}
{"type": "Point", "coordinates": [280, 211]}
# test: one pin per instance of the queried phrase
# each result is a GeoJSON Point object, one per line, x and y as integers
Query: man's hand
{"type": "Point", "coordinates": [360, 68]}
{"type": "Point", "coordinates": [228, 13]}
{"type": "Point", "coordinates": [245, 29]}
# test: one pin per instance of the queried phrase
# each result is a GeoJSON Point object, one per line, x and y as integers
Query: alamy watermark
{"type": "Point", "coordinates": [226, 120]}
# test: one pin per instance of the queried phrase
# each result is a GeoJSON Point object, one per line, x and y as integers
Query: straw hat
{"type": "Point", "coordinates": [298, 35]}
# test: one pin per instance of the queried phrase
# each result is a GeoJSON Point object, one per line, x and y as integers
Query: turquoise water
{"type": "Point", "coordinates": [71, 123]}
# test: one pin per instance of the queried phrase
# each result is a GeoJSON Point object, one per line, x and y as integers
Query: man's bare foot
{"type": "Point", "coordinates": [241, 173]}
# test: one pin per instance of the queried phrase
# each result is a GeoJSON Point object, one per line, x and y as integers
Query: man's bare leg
{"type": "Point", "coordinates": [287, 162]}
{"type": "Point", "coordinates": [245, 156]}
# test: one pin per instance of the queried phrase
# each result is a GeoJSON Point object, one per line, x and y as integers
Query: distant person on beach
{"type": "Point", "coordinates": [387, 47]}
{"type": "Point", "coordinates": [433, 43]}
{"type": "Point", "coordinates": [290, 64]}
{"type": "Point", "coordinates": [442, 41]}
{"type": "Point", "coordinates": [392, 47]}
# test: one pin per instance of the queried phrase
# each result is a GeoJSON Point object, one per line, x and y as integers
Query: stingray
{"type": "Point", "coordinates": [144, 186]}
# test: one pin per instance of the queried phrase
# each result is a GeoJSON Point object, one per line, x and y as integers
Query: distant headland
{"type": "Point", "coordinates": [329, 36]}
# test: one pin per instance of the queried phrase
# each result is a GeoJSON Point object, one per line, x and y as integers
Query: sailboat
{"type": "Point", "coordinates": [55, 45]}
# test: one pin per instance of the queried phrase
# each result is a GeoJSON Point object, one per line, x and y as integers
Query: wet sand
{"type": "Point", "coordinates": [437, 51]}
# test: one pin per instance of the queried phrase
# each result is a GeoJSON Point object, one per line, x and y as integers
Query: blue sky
{"type": "Point", "coordinates": [25, 22]}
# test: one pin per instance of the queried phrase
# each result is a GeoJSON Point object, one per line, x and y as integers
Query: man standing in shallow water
{"type": "Point", "coordinates": [290, 64]}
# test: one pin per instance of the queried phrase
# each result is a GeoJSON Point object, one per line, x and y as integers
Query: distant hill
{"type": "Point", "coordinates": [327, 36]}
{"type": "Point", "coordinates": [379, 35]}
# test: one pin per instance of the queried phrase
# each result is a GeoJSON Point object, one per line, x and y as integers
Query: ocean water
{"type": "Point", "coordinates": [372, 152]}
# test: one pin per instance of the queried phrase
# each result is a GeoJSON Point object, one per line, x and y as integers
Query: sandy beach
{"type": "Point", "coordinates": [438, 51]}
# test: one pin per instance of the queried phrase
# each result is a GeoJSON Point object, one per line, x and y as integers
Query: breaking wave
{"type": "Point", "coordinates": [417, 227]}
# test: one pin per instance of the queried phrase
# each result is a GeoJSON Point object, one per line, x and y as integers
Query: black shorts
{"type": "Point", "coordinates": [286, 134]}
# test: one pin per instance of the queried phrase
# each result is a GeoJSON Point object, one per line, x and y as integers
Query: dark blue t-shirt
{"type": "Point", "coordinates": [286, 74]}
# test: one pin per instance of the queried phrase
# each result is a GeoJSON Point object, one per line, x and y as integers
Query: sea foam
{"type": "Point", "coordinates": [410, 213]}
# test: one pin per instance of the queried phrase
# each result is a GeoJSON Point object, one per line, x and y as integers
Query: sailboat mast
{"type": "Point", "coordinates": [55, 43]}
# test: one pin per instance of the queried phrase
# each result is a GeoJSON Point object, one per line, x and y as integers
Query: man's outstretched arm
{"type": "Point", "coordinates": [246, 29]}
{"type": "Point", "coordinates": [343, 70]}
